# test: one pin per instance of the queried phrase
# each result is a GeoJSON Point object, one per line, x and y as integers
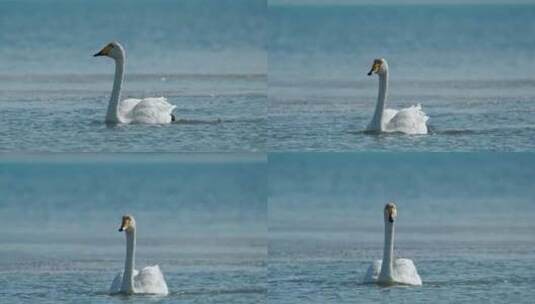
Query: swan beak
{"type": "Point", "coordinates": [121, 229]}
{"type": "Point", "coordinates": [375, 67]}
{"type": "Point", "coordinates": [105, 51]}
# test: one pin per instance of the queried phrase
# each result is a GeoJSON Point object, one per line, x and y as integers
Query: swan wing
{"type": "Point", "coordinates": [150, 280]}
{"type": "Point", "coordinates": [152, 110]}
{"type": "Point", "coordinates": [373, 272]}
{"type": "Point", "coordinates": [406, 272]}
{"type": "Point", "coordinates": [411, 120]}
{"type": "Point", "coordinates": [116, 283]}
{"type": "Point", "coordinates": [126, 106]}
{"type": "Point", "coordinates": [388, 114]}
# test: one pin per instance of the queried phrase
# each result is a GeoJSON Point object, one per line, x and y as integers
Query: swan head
{"type": "Point", "coordinates": [391, 212]}
{"type": "Point", "coordinates": [128, 223]}
{"type": "Point", "coordinates": [113, 50]}
{"type": "Point", "coordinates": [379, 67]}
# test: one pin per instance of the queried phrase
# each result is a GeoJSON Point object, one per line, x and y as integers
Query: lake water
{"type": "Point", "coordinates": [471, 73]}
{"type": "Point", "coordinates": [267, 81]}
{"type": "Point", "coordinates": [470, 66]}
{"type": "Point", "coordinates": [201, 218]}
{"type": "Point", "coordinates": [464, 219]}
{"type": "Point", "coordinates": [207, 57]}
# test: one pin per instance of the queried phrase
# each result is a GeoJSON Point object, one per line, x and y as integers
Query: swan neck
{"type": "Point", "coordinates": [388, 253]}
{"type": "Point", "coordinates": [128, 275]}
{"type": "Point", "coordinates": [112, 114]}
{"type": "Point", "coordinates": [377, 121]}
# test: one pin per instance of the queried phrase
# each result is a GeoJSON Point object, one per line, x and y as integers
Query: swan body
{"type": "Point", "coordinates": [411, 120]}
{"type": "Point", "coordinates": [152, 110]}
{"type": "Point", "coordinates": [389, 270]}
{"type": "Point", "coordinates": [404, 273]}
{"type": "Point", "coordinates": [149, 280]}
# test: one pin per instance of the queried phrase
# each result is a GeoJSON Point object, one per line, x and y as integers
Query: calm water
{"type": "Point", "coordinates": [201, 218]}
{"type": "Point", "coordinates": [464, 219]}
{"type": "Point", "coordinates": [207, 57]}
{"type": "Point", "coordinates": [470, 66]}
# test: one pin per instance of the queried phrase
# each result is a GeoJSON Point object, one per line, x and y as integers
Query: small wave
{"type": "Point", "coordinates": [216, 121]}
{"type": "Point", "coordinates": [197, 292]}
{"type": "Point", "coordinates": [480, 281]}
{"type": "Point", "coordinates": [383, 134]}
{"type": "Point", "coordinates": [245, 290]}
{"type": "Point", "coordinates": [182, 121]}
{"type": "Point", "coordinates": [478, 131]}
{"type": "Point", "coordinates": [300, 280]}
{"type": "Point", "coordinates": [397, 285]}
{"type": "Point", "coordinates": [455, 132]}
{"type": "Point", "coordinates": [198, 121]}
{"type": "Point", "coordinates": [431, 131]}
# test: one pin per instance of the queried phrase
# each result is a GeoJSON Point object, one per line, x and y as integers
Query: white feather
{"type": "Point", "coordinates": [149, 281]}
{"type": "Point", "coordinates": [411, 120]}
{"type": "Point", "coordinates": [404, 272]}
{"type": "Point", "coordinates": [150, 110]}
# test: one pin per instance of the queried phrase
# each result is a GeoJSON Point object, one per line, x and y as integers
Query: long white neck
{"type": "Point", "coordinates": [112, 115]}
{"type": "Point", "coordinates": [388, 254]}
{"type": "Point", "coordinates": [377, 120]}
{"type": "Point", "coordinates": [128, 274]}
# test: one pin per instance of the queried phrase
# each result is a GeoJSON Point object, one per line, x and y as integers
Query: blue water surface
{"type": "Point", "coordinates": [207, 57]}
{"type": "Point", "coordinates": [202, 218]}
{"type": "Point", "coordinates": [464, 219]}
{"type": "Point", "coordinates": [470, 66]}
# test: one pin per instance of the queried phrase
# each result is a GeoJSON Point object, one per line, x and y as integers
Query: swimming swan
{"type": "Point", "coordinates": [390, 271]}
{"type": "Point", "coordinates": [149, 281]}
{"type": "Point", "coordinates": [151, 110]}
{"type": "Point", "coordinates": [410, 120]}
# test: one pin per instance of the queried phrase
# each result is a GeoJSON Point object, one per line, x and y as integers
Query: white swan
{"type": "Point", "coordinates": [390, 271]}
{"type": "Point", "coordinates": [410, 120]}
{"type": "Point", "coordinates": [149, 280]}
{"type": "Point", "coordinates": [151, 110]}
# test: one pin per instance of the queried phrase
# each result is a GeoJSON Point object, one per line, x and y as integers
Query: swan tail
{"type": "Point", "coordinates": [406, 272]}
{"type": "Point", "coordinates": [150, 280]}
{"type": "Point", "coordinates": [420, 112]}
{"type": "Point", "coordinates": [153, 110]}
{"type": "Point", "coordinates": [411, 120]}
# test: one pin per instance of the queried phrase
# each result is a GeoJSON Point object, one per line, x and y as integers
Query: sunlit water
{"type": "Point", "coordinates": [472, 74]}
{"type": "Point", "coordinates": [201, 218]}
{"type": "Point", "coordinates": [465, 220]}
{"type": "Point", "coordinates": [207, 57]}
